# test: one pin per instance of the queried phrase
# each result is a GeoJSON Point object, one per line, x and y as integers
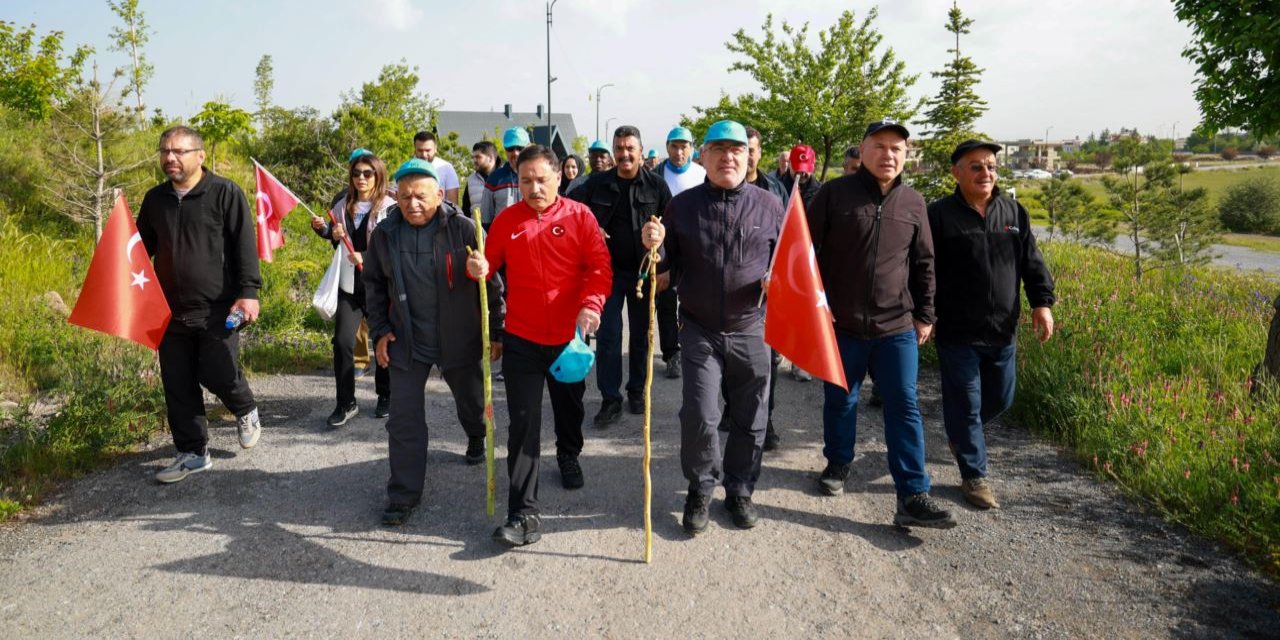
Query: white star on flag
{"type": "Point", "coordinates": [140, 279]}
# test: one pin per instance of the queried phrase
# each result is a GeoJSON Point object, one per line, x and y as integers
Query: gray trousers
{"type": "Point", "coordinates": [407, 425]}
{"type": "Point", "coordinates": [738, 363]}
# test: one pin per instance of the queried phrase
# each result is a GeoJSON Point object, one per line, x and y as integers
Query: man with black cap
{"type": "Point", "coordinates": [720, 238]}
{"type": "Point", "coordinates": [875, 254]}
{"type": "Point", "coordinates": [984, 247]}
{"type": "Point", "coordinates": [423, 313]}
{"type": "Point", "coordinates": [623, 199]}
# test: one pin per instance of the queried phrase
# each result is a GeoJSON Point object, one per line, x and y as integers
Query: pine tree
{"type": "Point", "coordinates": [952, 114]}
{"type": "Point", "coordinates": [263, 82]}
{"type": "Point", "coordinates": [130, 39]}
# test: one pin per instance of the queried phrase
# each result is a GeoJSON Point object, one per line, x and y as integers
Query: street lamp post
{"type": "Point", "coordinates": [598, 90]}
{"type": "Point", "coordinates": [550, 5]}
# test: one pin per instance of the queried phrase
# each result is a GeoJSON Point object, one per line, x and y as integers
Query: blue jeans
{"type": "Point", "coordinates": [894, 363]}
{"type": "Point", "coordinates": [977, 386]}
{"type": "Point", "coordinates": [609, 340]}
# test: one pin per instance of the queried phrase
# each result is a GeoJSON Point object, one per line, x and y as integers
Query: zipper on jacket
{"type": "Point", "coordinates": [871, 277]}
{"type": "Point", "coordinates": [724, 262]}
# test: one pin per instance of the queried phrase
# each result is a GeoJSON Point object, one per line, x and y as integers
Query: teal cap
{"type": "Point", "coordinates": [415, 166]}
{"type": "Point", "coordinates": [696, 154]}
{"type": "Point", "coordinates": [727, 130]}
{"type": "Point", "coordinates": [652, 153]}
{"type": "Point", "coordinates": [515, 137]}
{"type": "Point", "coordinates": [574, 363]}
{"type": "Point", "coordinates": [680, 133]}
{"type": "Point", "coordinates": [357, 153]}
{"type": "Point", "coordinates": [599, 146]}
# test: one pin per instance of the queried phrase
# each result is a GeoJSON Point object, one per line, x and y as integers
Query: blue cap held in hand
{"type": "Point", "coordinates": [726, 130]}
{"type": "Point", "coordinates": [515, 137]}
{"type": "Point", "coordinates": [574, 363]}
{"type": "Point", "coordinates": [680, 133]}
{"type": "Point", "coordinates": [415, 166]}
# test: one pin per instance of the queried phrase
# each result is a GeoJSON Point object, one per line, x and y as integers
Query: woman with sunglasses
{"type": "Point", "coordinates": [358, 211]}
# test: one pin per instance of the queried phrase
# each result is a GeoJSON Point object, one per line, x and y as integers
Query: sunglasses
{"type": "Point", "coordinates": [362, 173]}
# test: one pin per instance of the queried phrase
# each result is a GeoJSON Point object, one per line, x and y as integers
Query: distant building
{"type": "Point", "coordinates": [1035, 154]}
{"type": "Point", "coordinates": [474, 126]}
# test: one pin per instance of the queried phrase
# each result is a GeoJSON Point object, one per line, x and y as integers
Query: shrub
{"type": "Point", "coordinates": [1230, 153]}
{"type": "Point", "coordinates": [1252, 206]}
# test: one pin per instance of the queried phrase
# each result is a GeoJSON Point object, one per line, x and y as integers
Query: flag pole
{"type": "Point", "coordinates": [651, 273]}
{"type": "Point", "coordinates": [491, 484]}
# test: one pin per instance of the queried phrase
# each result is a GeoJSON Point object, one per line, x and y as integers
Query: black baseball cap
{"type": "Point", "coordinates": [881, 125]}
{"type": "Point", "coordinates": [970, 145]}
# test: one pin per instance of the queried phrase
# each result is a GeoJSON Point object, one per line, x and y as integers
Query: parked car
{"type": "Point", "coordinates": [1039, 174]}
{"type": "Point", "coordinates": [1064, 173]}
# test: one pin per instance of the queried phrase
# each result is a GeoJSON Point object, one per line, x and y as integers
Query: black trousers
{"type": "Point", "coordinates": [346, 323]}
{"type": "Point", "coordinates": [668, 325]}
{"type": "Point", "coordinates": [194, 353]}
{"type": "Point", "coordinates": [407, 425]}
{"type": "Point", "coordinates": [526, 367]}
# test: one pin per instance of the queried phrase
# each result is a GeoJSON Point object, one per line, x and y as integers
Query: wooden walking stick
{"type": "Point", "coordinates": [490, 480]}
{"type": "Point", "coordinates": [649, 271]}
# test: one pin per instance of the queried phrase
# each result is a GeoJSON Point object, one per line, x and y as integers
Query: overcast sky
{"type": "Point", "coordinates": [1071, 66]}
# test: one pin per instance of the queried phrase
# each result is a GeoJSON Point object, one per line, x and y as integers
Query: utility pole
{"type": "Point", "coordinates": [598, 90]}
{"type": "Point", "coordinates": [550, 5]}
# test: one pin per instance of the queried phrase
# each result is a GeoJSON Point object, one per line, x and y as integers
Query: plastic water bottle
{"type": "Point", "coordinates": [235, 319]}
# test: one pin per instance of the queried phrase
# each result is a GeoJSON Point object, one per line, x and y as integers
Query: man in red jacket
{"type": "Point", "coordinates": [558, 276]}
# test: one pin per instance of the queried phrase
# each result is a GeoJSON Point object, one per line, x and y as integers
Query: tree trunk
{"type": "Point", "coordinates": [1271, 361]}
{"type": "Point", "coordinates": [101, 173]}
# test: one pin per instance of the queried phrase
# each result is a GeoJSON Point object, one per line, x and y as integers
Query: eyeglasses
{"type": "Point", "coordinates": [164, 153]}
{"type": "Point", "coordinates": [362, 173]}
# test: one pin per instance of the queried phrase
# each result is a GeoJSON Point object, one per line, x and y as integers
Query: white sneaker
{"type": "Point", "coordinates": [249, 429]}
{"type": "Point", "coordinates": [800, 374]}
{"type": "Point", "coordinates": [184, 465]}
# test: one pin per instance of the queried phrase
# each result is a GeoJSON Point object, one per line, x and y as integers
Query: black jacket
{"type": "Point", "coordinates": [602, 193]}
{"type": "Point", "coordinates": [718, 248]}
{"type": "Point", "coordinates": [204, 245]}
{"type": "Point", "coordinates": [980, 263]}
{"type": "Point", "coordinates": [809, 191]}
{"type": "Point", "coordinates": [774, 186]}
{"type": "Point", "coordinates": [459, 296]}
{"type": "Point", "coordinates": [875, 253]}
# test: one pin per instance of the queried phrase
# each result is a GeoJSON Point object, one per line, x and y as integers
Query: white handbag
{"type": "Point", "coordinates": [325, 300]}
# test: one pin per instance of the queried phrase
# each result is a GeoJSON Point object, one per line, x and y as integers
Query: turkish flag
{"type": "Point", "coordinates": [274, 201]}
{"type": "Point", "coordinates": [798, 323]}
{"type": "Point", "coordinates": [120, 296]}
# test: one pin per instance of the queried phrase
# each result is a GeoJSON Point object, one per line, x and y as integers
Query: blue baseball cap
{"type": "Point", "coordinates": [515, 137]}
{"type": "Point", "coordinates": [726, 130]}
{"type": "Point", "coordinates": [356, 153]}
{"type": "Point", "coordinates": [574, 363]}
{"type": "Point", "coordinates": [415, 166]}
{"type": "Point", "coordinates": [680, 133]}
{"type": "Point", "coordinates": [652, 153]}
{"type": "Point", "coordinates": [599, 146]}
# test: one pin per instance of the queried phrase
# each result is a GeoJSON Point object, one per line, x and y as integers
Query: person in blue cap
{"type": "Point", "coordinates": [502, 187]}
{"type": "Point", "coordinates": [651, 159]}
{"type": "Point", "coordinates": [600, 156]}
{"type": "Point", "coordinates": [424, 312]}
{"type": "Point", "coordinates": [719, 240]}
{"type": "Point", "coordinates": [680, 173]}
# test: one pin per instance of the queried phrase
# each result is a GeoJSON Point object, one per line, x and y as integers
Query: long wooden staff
{"type": "Point", "coordinates": [650, 272]}
{"type": "Point", "coordinates": [490, 481]}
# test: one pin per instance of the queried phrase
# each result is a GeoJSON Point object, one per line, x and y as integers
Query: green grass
{"type": "Point", "coordinates": [1149, 383]}
{"type": "Point", "coordinates": [1269, 244]}
{"type": "Point", "coordinates": [1216, 182]}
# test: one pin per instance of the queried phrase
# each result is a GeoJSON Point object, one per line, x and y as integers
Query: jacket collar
{"type": "Point", "coordinates": [870, 181]}
{"type": "Point", "coordinates": [716, 191]}
{"type": "Point", "coordinates": [201, 185]}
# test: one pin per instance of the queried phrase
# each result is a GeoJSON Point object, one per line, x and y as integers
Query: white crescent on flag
{"type": "Point", "coordinates": [128, 247]}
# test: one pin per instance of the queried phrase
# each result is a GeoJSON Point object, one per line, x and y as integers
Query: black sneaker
{"type": "Point", "coordinates": [570, 472]}
{"type": "Point", "coordinates": [396, 514]}
{"type": "Point", "coordinates": [341, 415]}
{"type": "Point", "coordinates": [743, 511]}
{"type": "Point", "coordinates": [384, 407]}
{"type": "Point", "coordinates": [696, 514]}
{"type": "Point", "coordinates": [519, 530]}
{"type": "Point", "coordinates": [673, 367]}
{"type": "Point", "coordinates": [610, 413]}
{"type": "Point", "coordinates": [831, 482]}
{"type": "Point", "coordinates": [475, 450]}
{"type": "Point", "coordinates": [635, 403]}
{"type": "Point", "coordinates": [771, 439]}
{"type": "Point", "coordinates": [921, 510]}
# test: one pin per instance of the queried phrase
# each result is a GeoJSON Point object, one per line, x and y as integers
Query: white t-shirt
{"type": "Point", "coordinates": [677, 182]}
{"type": "Point", "coordinates": [448, 176]}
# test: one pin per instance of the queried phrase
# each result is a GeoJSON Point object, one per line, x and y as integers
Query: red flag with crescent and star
{"type": "Point", "coordinates": [798, 323]}
{"type": "Point", "coordinates": [120, 295]}
{"type": "Point", "coordinates": [273, 201]}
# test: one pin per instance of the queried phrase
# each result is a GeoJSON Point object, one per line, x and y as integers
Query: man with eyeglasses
{"type": "Point", "coordinates": [984, 248]}
{"type": "Point", "coordinates": [198, 229]}
{"type": "Point", "coordinates": [502, 187]}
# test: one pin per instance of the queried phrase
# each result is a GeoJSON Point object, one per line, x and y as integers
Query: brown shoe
{"type": "Point", "coordinates": [977, 491]}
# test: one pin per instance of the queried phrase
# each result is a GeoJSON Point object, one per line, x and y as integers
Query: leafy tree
{"type": "Point", "coordinates": [219, 122]}
{"type": "Point", "coordinates": [1237, 61]}
{"type": "Point", "coordinates": [823, 94]}
{"type": "Point", "coordinates": [130, 39]}
{"type": "Point", "coordinates": [299, 147]}
{"type": "Point", "coordinates": [1071, 210]}
{"type": "Point", "coordinates": [951, 114]}
{"type": "Point", "coordinates": [384, 115]}
{"type": "Point", "coordinates": [263, 82]}
{"type": "Point", "coordinates": [1252, 206]}
{"type": "Point", "coordinates": [33, 77]}
{"type": "Point", "coordinates": [1139, 194]}
{"type": "Point", "coordinates": [1187, 234]}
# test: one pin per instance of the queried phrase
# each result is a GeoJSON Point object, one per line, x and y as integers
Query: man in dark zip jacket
{"type": "Point", "coordinates": [424, 312]}
{"type": "Point", "coordinates": [197, 227]}
{"type": "Point", "coordinates": [984, 248]}
{"type": "Point", "coordinates": [720, 237]}
{"type": "Point", "coordinates": [875, 254]}
{"type": "Point", "coordinates": [623, 199]}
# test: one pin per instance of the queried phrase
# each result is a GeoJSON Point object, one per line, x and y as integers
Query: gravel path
{"type": "Point", "coordinates": [283, 541]}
